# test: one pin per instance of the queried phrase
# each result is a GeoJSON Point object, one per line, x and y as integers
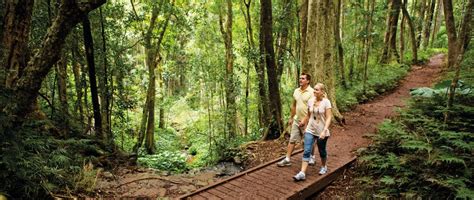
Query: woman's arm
{"type": "Point", "coordinates": [328, 114]}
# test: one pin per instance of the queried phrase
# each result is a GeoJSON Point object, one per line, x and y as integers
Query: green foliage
{"type": "Point", "coordinates": [35, 164]}
{"type": "Point", "coordinates": [381, 79]}
{"type": "Point", "coordinates": [417, 155]}
{"type": "Point", "coordinates": [166, 160]}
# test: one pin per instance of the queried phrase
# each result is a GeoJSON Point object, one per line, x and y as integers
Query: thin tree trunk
{"type": "Point", "coordinates": [390, 46]}
{"type": "Point", "coordinates": [457, 44]}
{"type": "Point", "coordinates": [428, 23]}
{"type": "Point", "coordinates": [76, 69]}
{"type": "Point", "coordinates": [412, 32]}
{"type": "Point", "coordinates": [141, 131]}
{"type": "Point", "coordinates": [368, 41]}
{"type": "Point", "coordinates": [451, 30]}
{"type": "Point", "coordinates": [437, 22]}
{"type": "Point", "coordinates": [340, 50]}
{"type": "Point", "coordinates": [259, 69]}
{"type": "Point", "coordinates": [104, 87]}
{"type": "Point", "coordinates": [304, 29]}
{"type": "Point", "coordinates": [231, 109]}
{"type": "Point", "coordinates": [421, 17]}
{"type": "Point", "coordinates": [89, 46]}
{"type": "Point", "coordinates": [402, 38]}
{"type": "Point", "coordinates": [282, 41]}
{"type": "Point", "coordinates": [276, 123]}
{"type": "Point", "coordinates": [61, 68]}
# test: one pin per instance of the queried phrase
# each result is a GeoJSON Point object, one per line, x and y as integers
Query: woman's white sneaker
{"type": "Point", "coordinates": [323, 170]}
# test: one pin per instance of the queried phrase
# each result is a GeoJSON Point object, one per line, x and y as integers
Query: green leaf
{"type": "Point", "coordinates": [387, 180]}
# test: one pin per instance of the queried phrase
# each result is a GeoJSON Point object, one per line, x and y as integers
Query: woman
{"type": "Point", "coordinates": [317, 123]}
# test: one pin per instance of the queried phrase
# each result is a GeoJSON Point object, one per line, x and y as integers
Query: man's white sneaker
{"type": "Point", "coordinates": [300, 176]}
{"type": "Point", "coordinates": [323, 170]}
{"type": "Point", "coordinates": [283, 163]}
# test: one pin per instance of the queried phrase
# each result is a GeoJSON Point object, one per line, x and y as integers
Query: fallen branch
{"type": "Point", "coordinates": [148, 178]}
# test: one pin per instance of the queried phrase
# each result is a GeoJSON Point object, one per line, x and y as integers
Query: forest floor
{"type": "Point", "coordinates": [141, 183]}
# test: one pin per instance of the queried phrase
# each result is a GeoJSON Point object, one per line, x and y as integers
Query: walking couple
{"type": "Point", "coordinates": [310, 117]}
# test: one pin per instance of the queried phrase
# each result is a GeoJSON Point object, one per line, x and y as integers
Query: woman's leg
{"type": "Point", "coordinates": [322, 150]}
{"type": "Point", "coordinates": [308, 146]}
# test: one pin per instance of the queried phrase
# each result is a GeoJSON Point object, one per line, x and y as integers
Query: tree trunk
{"type": "Point", "coordinates": [456, 45]}
{"type": "Point", "coordinates": [231, 109]}
{"type": "Point", "coordinates": [303, 29]}
{"type": "Point", "coordinates": [390, 39]}
{"type": "Point", "coordinates": [61, 68]}
{"type": "Point", "coordinates": [141, 132]}
{"type": "Point", "coordinates": [15, 36]}
{"type": "Point", "coordinates": [412, 32]}
{"type": "Point", "coordinates": [428, 22]}
{"type": "Point", "coordinates": [76, 69]}
{"type": "Point", "coordinates": [340, 50]}
{"type": "Point", "coordinates": [153, 57]}
{"type": "Point", "coordinates": [282, 41]}
{"type": "Point", "coordinates": [402, 38]}
{"type": "Point", "coordinates": [276, 123]}
{"type": "Point", "coordinates": [104, 86]}
{"type": "Point", "coordinates": [259, 69]}
{"type": "Point", "coordinates": [437, 22]}
{"type": "Point", "coordinates": [89, 46]}
{"type": "Point", "coordinates": [451, 30]}
{"type": "Point", "coordinates": [320, 48]}
{"type": "Point", "coordinates": [368, 40]}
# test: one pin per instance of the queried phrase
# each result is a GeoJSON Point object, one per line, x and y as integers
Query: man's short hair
{"type": "Point", "coordinates": [308, 77]}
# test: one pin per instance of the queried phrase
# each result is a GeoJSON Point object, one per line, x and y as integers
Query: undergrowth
{"type": "Point", "coordinates": [417, 155]}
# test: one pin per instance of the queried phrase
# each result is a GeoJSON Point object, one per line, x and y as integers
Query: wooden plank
{"type": "Point", "coordinates": [238, 175]}
{"type": "Point", "coordinates": [322, 183]}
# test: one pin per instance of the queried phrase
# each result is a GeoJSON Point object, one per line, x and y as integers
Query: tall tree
{"type": "Point", "coordinates": [457, 44]}
{"type": "Point", "coordinates": [230, 95]}
{"type": "Point", "coordinates": [412, 31]}
{"type": "Point", "coordinates": [153, 58]}
{"type": "Point", "coordinates": [286, 24]}
{"type": "Point", "coordinates": [390, 39]}
{"type": "Point", "coordinates": [61, 71]}
{"type": "Point", "coordinates": [340, 50]}
{"type": "Point", "coordinates": [15, 32]}
{"type": "Point", "coordinates": [263, 107]}
{"type": "Point", "coordinates": [268, 55]}
{"type": "Point", "coordinates": [104, 88]}
{"type": "Point", "coordinates": [368, 39]}
{"type": "Point", "coordinates": [25, 90]}
{"type": "Point", "coordinates": [89, 46]}
{"type": "Point", "coordinates": [320, 45]}
{"type": "Point", "coordinates": [428, 22]}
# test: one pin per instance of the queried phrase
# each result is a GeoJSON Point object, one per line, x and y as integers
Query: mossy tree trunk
{"type": "Point", "coordinates": [320, 48]}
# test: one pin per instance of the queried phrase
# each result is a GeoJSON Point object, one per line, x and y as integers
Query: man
{"type": "Point", "coordinates": [299, 109]}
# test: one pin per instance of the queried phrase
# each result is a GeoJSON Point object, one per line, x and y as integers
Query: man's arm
{"type": "Point", "coordinates": [292, 112]}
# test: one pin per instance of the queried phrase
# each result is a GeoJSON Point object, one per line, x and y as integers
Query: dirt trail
{"type": "Point", "coordinates": [365, 118]}
{"type": "Point", "coordinates": [148, 184]}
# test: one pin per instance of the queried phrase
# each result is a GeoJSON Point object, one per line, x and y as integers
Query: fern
{"type": "Point", "coordinates": [416, 145]}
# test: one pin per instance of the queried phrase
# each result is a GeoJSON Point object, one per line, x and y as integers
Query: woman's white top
{"type": "Point", "coordinates": [317, 118]}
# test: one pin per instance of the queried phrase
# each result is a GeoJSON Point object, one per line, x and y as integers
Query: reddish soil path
{"type": "Point", "coordinates": [365, 117]}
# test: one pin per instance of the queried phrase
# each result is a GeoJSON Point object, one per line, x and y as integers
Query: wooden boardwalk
{"type": "Point", "coordinates": [268, 181]}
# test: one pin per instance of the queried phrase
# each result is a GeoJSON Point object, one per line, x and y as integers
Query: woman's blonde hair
{"type": "Point", "coordinates": [323, 88]}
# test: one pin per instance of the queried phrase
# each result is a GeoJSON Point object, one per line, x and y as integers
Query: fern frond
{"type": "Point", "coordinates": [416, 145]}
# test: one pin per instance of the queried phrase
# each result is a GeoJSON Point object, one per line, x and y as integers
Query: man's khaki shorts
{"type": "Point", "coordinates": [296, 133]}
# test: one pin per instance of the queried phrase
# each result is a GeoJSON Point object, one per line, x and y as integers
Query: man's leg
{"type": "Point", "coordinates": [295, 137]}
